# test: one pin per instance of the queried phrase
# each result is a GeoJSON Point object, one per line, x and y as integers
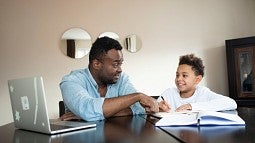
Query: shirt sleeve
{"type": "Point", "coordinates": [128, 88]}
{"type": "Point", "coordinates": [171, 97]}
{"type": "Point", "coordinates": [213, 101]}
{"type": "Point", "coordinates": [77, 99]}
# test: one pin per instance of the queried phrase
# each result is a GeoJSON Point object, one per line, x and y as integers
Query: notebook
{"type": "Point", "coordinates": [201, 118]}
{"type": "Point", "coordinates": [30, 110]}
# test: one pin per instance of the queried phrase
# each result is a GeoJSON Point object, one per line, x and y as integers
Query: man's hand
{"type": "Point", "coordinates": [69, 116]}
{"type": "Point", "coordinates": [184, 107]}
{"type": "Point", "coordinates": [164, 106]}
{"type": "Point", "coordinates": [150, 104]}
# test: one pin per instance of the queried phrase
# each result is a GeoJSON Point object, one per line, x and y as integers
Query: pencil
{"type": "Point", "coordinates": [162, 98]}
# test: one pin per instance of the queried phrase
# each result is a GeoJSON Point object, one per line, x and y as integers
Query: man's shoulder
{"type": "Point", "coordinates": [75, 74]}
{"type": "Point", "coordinates": [78, 71]}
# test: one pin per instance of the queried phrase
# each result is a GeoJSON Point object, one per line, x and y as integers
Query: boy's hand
{"type": "Point", "coordinates": [184, 107]}
{"type": "Point", "coordinates": [164, 106]}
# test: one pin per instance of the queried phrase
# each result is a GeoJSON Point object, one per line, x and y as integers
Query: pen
{"type": "Point", "coordinates": [165, 105]}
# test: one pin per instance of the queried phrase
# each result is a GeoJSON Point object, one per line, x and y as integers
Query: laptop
{"type": "Point", "coordinates": [24, 136]}
{"type": "Point", "coordinates": [30, 110]}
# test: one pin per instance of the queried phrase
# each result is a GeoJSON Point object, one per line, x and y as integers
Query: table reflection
{"type": "Point", "coordinates": [118, 130]}
{"type": "Point", "coordinates": [23, 136]}
{"type": "Point", "coordinates": [202, 134]}
{"type": "Point", "coordinates": [128, 129]}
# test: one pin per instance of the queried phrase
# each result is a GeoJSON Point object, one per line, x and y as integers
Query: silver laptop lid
{"type": "Point", "coordinates": [28, 104]}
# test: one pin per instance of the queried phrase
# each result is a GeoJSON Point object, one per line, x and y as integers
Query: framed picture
{"type": "Point", "coordinates": [241, 70]}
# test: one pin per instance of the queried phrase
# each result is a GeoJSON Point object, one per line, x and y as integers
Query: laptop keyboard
{"type": "Point", "coordinates": [55, 127]}
{"type": "Point", "coordinates": [68, 123]}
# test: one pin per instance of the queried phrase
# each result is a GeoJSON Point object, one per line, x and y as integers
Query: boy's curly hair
{"type": "Point", "coordinates": [193, 61]}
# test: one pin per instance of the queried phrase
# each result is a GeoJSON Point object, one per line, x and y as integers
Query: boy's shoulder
{"type": "Point", "coordinates": [200, 89]}
{"type": "Point", "coordinates": [172, 89]}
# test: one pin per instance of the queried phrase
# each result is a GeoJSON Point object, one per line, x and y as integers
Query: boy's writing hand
{"type": "Point", "coordinates": [164, 106]}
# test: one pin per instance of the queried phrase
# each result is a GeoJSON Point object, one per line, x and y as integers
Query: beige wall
{"type": "Point", "coordinates": [30, 33]}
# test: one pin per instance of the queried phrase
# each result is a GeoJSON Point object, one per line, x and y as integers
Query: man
{"type": "Point", "coordinates": [102, 90]}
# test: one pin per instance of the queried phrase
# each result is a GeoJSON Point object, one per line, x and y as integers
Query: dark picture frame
{"type": "Point", "coordinates": [239, 51]}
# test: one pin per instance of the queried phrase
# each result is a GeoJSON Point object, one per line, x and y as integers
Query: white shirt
{"type": "Point", "coordinates": [202, 99]}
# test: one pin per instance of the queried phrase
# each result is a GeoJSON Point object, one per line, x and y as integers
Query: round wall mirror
{"type": "Point", "coordinates": [133, 43]}
{"type": "Point", "coordinates": [76, 43]}
{"type": "Point", "coordinates": [110, 34]}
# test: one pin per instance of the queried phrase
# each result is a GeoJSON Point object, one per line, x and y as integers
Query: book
{"type": "Point", "coordinates": [200, 118]}
{"type": "Point", "coordinates": [164, 114]}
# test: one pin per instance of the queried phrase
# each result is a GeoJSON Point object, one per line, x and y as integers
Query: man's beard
{"type": "Point", "coordinates": [108, 81]}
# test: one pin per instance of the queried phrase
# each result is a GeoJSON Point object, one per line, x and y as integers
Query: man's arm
{"type": "Point", "coordinates": [124, 112]}
{"type": "Point", "coordinates": [112, 106]}
{"type": "Point", "coordinates": [120, 106]}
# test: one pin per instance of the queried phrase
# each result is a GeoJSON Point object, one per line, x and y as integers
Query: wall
{"type": "Point", "coordinates": [31, 31]}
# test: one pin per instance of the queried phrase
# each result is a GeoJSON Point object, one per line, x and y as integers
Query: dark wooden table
{"type": "Point", "coordinates": [129, 129]}
{"type": "Point", "coordinates": [215, 134]}
{"type": "Point", "coordinates": [140, 129]}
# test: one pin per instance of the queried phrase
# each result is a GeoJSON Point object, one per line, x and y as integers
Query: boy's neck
{"type": "Point", "coordinates": [186, 94]}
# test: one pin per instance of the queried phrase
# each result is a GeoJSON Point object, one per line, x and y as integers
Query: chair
{"type": "Point", "coordinates": [61, 106]}
{"type": "Point", "coordinates": [155, 97]}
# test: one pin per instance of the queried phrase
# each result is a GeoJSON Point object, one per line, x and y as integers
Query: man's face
{"type": "Point", "coordinates": [110, 69]}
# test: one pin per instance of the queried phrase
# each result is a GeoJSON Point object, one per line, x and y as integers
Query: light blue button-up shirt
{"type": "Point", "coordinates": [81, 96]}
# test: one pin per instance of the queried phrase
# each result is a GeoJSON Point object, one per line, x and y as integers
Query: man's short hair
{"type": "Point", "coordinates": [101, 46]}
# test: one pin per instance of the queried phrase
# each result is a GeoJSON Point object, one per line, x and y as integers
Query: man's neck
{"type": "Point", "coordinates": [102, 87]}
{"type": "Point", "coordinates": [102, 90]}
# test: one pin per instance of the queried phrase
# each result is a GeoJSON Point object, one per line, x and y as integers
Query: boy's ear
{"type": "Point", "coordinates": [199, 78]}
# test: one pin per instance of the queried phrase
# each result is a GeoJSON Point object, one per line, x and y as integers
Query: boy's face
{"type": "Point", "coordinates": [186, 80]}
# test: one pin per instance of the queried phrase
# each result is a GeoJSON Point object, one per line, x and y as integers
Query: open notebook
{"type": "Point", "coordinates": [199, 118]}
{"type": "Point", "coordinates": [30, 111]}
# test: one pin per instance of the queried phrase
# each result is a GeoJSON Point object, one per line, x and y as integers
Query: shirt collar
{"type": "Point", "coordinates": [91, 77]}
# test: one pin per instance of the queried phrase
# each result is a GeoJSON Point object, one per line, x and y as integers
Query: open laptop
{"type": "Point", "coordinates": [24, 136]}
{"type": "Point", "coordinates": [30, 110]}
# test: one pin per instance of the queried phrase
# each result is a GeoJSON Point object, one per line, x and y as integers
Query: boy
{"type": "Point", "coordinates": [189, 95]}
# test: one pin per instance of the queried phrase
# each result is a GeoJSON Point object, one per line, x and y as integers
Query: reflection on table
{"type": "Point", "coordinates": [140, 129]}
{"type": "Point", "coordinates": [206, 134]}
{"type": "Point", "coordinates": [129, 129]}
